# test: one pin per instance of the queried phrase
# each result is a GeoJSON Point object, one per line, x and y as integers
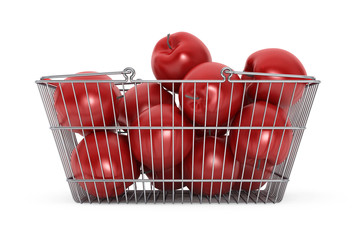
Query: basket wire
{"type": "Point", "coordinates": [143, 188]}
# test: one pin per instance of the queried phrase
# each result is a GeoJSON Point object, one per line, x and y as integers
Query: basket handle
{"type": "Point", "coordinates": [231, 72]}
{"type": "Point", "coordinates": [126, 72]}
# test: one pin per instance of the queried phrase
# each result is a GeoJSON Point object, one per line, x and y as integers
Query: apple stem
{"type": "Point", "coordinates": [196, 98]}
{"type": "Point", "coordinates": [258, 166]}
{"type": "Point", "coordinates": [148, 171]}
{"type": "Point", "coordinates": [168, 36]}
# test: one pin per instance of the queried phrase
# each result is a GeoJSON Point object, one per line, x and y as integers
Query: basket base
{"type": "Point", "coordinates": [182, 197]}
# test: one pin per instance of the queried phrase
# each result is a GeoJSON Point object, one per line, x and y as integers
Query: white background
{"type": "Point", "coordinates": [57, 37]}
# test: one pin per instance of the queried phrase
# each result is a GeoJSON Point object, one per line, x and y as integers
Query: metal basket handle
{"type": "Point", "coordinates": [229, 72]}
{"type": "Point", "coordinates": [129, 71]}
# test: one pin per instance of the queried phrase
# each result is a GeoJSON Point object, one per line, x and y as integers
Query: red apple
{"type": "Point", "coordinates": [277, 61]}
{"type": "Point", "coordinates": [175, 55]}
{"type": "Point", "coordinates": [210, 101]}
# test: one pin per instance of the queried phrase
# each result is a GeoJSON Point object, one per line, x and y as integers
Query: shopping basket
{"type": "Point", "coordinates": [146, 187]}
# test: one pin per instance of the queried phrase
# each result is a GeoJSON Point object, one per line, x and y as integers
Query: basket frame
{"type": "Point", "coordinates": [274, 190]}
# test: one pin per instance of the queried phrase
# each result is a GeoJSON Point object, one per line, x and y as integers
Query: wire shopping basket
{"type": "Point", "coordinates": [215, 141]}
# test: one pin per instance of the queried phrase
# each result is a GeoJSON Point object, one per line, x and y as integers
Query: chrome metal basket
{"type": "Point", "coordinates": [142, 189]}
